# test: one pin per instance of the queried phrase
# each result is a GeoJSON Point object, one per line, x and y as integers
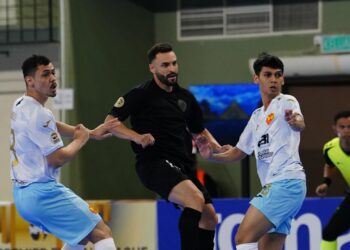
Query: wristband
{"type": "Point", "coordinates": [327, 181]}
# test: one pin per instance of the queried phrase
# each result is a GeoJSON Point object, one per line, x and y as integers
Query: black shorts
{"type": "Point", "coordinates": [161, 176]}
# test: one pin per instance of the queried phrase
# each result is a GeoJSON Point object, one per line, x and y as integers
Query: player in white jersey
{"type": "Point", "coordinates": [37, 153]}
{"type": "Point", "coordinates": [273, 133]}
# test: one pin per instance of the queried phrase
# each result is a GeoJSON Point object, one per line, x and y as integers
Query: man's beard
{"type": "Point", "coordinates": [164, 79]}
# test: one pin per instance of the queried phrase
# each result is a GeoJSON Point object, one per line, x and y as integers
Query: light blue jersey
{"type": "Point", "coordinates": [274, 142]}
{"type": "Point", "coordinates": [39, 199]}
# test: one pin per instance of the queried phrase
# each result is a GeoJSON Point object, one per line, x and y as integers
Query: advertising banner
{"type": "Point", "coordinates": [306, 232]}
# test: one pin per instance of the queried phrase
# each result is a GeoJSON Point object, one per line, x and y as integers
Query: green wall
{"type": "Point", "coordinates": [108, 43]}
{"type": "Point", "coordinates": [108, 47]}
{"type": "Point", "coordinates": [226, 61]}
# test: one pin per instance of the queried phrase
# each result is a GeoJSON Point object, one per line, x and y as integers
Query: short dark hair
{"type": "Point", "coordinates": [30, 65]}
{"type": "Point", "coordinates": [158, 48]}
{"type": "Point", "coordinates": [342, 114]}
{"type": "Point", "coordinates": [267, 60]}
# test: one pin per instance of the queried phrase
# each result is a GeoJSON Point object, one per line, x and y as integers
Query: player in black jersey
{"type": "Point", "coordinates": [160, 113]}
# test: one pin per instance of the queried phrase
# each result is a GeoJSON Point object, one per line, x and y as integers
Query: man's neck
{"type": "Point", "coordinates": [40, 99]}
{"type": "Point", "coordinates": [345, 145]}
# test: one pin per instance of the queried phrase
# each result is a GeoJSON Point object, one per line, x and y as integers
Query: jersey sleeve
{"type": "Point", "coordinates": [292, 103]}
{"type": "Point", "coordinates": [195, 120]}
{"type": "Point", "coordinates": [126, 105]}
{"type": "Point", "coordinates": [43, 132]}
{"type": "Point", "coordinates": [326, 157]}
{"type": "Point", "coordinates": [246, 140]}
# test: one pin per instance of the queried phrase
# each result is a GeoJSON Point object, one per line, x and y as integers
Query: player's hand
{"type": "Point", "coordinates": [101, 131]}
{"type": "Point", "coordinates": [204, 147]}
{"type": "Point", "coordinates": [322, 189]}
{"type": "Point", "coordinates": [81, 133]}
{"type": "Point", "coordinates": [291, 118]}
{"type": "Point", "coordinates": [145, 140]}
{"type": "Point", "coordinates": [226, 148]}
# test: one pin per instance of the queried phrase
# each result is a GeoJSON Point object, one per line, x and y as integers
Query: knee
{"type": "Point", "coordinates": [100, 232]}
{"type": "Point", "coordinates": [195, 200]}
{"type": "Point", "coordinates": [107, 232]}
{"type": "Point", "coordinates": [240, 238]}
{"type": "Point", "coordinates": [212, 222]}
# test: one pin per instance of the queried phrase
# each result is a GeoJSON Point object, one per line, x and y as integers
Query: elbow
{"type": "Point", "coordinates": [58, 158]}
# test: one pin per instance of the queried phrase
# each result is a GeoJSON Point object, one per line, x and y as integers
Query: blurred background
{"type": "Point", "coordinates": [99, 49]}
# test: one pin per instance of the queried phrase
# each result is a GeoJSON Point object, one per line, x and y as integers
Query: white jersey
{"type": "Point", "coordinates": [34, 135]}
{"type": "Point", "coordinates": [274, 141]}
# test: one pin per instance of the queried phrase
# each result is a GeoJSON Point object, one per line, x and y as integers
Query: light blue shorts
{"type": "Point", "coordinates": [280, 201]}
{"type": "Point", "coordinates": [56, 210]}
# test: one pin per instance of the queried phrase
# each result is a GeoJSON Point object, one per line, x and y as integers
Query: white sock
{"type": "Point", "coordinates": [106, 244]}
{"type": "Point", "coordinates": [247, 246]}
{"type": "Point", "coordinates": [77, 247]}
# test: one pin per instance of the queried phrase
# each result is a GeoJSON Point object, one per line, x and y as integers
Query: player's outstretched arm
{"type": "Point", "coordinates": [227, 153]}
{"type": "Point", "coordinates": [210, 138]}
{"type": "Point", "coordinates": [99, 133]}
{"type": "Point", "coordinates": [295, 120]}
{"type": "Point", "coordinates": [123, 132]}
{"type": "Point", "coordinates": [65, 129]}
{"type": "Point", "coordinates": [102, 131]}
{"type": "Point", "coordinates": [62, 155]}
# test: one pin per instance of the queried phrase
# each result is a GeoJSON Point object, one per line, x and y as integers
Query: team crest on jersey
{"type": "Point", "coordinates": [55, 138]}
{"type": "Point", "coordinates": [270, 118]}
{"type": "Point", "coordinates": [182, 105]}
{"type": "Point", "coordinates": [119, 103]}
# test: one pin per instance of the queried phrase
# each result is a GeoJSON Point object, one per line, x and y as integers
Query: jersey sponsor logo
{"type": "Point", "coordinates": [55, 138]}
{"type": "Point", "coordinates": [182, 105]}
{"type": "Point", "coordinates": [265, 153]}
{"type": "Point", "coordinates": [270, 118]}
{"type": "Point", "coordinates": [263, 140]}
{"type": "Point", "coordinates": [119, 103]}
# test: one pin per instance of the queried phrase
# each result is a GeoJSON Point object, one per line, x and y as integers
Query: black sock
{"type": "Point", "coordinates": [205, 239]}
{"type": "Point", "coordinates": [188, 226]}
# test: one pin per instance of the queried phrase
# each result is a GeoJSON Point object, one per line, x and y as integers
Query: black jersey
{"type": "Point", "coordinates": [165, 115]}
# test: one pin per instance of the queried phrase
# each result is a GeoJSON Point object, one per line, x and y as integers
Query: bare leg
{"type": "Point", "coordinates": [188, 196]}
{"type": "Point", "coordinates": [272, 241]}
{"type": "Point", "coordinates": [208, 219]}
{"type": "Point", "coordinates": [253, 226]}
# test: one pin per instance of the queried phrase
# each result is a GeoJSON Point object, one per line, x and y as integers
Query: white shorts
{"type": "Point", "coordinates": [56, 210]}
{"type": "Point", "coordinates": [280, 201]}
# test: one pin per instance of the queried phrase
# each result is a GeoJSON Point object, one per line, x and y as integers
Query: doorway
{"type": "Point", "coordinates": [319, 100]}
